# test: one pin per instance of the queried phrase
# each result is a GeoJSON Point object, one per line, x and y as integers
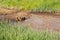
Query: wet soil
{"type": "Point", "coordinates": [43, 22]}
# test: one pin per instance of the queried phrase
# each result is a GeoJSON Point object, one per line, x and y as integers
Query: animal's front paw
{"type": "Point", "coordinates": [21, 18]}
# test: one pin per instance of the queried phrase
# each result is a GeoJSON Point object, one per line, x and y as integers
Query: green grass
{"type": "Point", "coordinates": [32, 4]}
{"type": "Point", "coordinates": [16, 32]}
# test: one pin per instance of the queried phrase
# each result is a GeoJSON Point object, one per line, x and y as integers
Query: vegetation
{"type": "Point", "coordinates": [16, 32]}
{"type": "Point", "coordinates": [32, 4]}
{"type": "Point", "coordinates": [9, 31]}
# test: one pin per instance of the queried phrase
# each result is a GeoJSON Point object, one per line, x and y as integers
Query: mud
{"type": "Point", "coordinates": [43, 22]}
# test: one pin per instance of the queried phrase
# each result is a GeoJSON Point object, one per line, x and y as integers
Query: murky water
{"type": "Point", "coordinates": [42, 22]}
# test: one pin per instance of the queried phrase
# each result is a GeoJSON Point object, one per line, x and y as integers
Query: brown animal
{"type": "Point", "coordinates": [21, 16]}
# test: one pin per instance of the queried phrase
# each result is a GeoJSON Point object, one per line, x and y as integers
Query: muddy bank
{"type": "Point", "coordinates": [41, 22]}
{"type": "Point", "coordinates": [37, 21]}
{"type": "Point", "coordinates": [6, 11]}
